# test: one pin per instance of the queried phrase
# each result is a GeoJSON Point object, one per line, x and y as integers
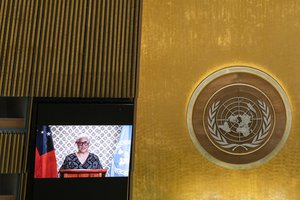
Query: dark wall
{"type": "Point", "coordinates": [9, 184]}
{"type": "Point", "coordinates": [13, 107]}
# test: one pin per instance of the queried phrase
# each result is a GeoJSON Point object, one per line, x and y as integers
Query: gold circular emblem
{"type": "Point", "coordinates": [239, 117]}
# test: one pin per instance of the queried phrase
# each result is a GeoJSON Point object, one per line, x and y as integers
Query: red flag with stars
{"type": "Point", "coordinates": [45, 159]}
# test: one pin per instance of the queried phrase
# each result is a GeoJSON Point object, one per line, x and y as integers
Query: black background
{"type": "Point", "coordinates": [54, 111]}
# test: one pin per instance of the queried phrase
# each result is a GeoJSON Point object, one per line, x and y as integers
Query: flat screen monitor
{"type": "Point", "coordinates": [80, 149]}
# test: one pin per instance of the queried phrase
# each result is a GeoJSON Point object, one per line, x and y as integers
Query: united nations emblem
{"type": "Point", "coordinates": [239, 117]}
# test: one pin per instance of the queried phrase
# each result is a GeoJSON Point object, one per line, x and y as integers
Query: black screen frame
{"type": "Point", "coordinates": [79, 111]}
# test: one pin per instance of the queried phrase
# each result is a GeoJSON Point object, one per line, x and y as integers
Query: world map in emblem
{"type": "Point", "coordinates": [239, 117]}
{"type": "Point", "coordinates": [239, 125]}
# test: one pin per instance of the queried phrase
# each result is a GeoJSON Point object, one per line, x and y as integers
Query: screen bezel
{"type": "Point", "coordinates": [79, 111]}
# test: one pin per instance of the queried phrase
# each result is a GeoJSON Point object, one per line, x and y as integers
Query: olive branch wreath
{"type": "Point", "coordinates": [257, 140]}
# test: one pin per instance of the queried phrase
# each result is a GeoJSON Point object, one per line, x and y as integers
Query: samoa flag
{"type": "Point", "coordinates": [45, 159]}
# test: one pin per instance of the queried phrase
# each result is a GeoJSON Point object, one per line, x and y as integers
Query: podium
{"type": "Point", "coordinates": [82, 173]}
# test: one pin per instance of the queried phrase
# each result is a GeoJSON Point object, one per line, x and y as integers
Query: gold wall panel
{"type": "Point", "coordinates": [183, 42]}
{"type": "Point", "coordinates": [54, 48]}
{"type": "Point", "coordinates": [23, 186]}
{"type": "Point", "coordinates": [11, 151]}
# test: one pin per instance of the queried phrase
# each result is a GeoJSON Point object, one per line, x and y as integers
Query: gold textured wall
{"type": "Point", "coordinates": [54, 48]}
{"type": "Point", "coordinates": [184, 41]}
{"type": "Point", "coordinates": [11, 151]}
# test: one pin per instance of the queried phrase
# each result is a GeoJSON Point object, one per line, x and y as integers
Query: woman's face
{"type": "Point", "coordinates": [83, 145]}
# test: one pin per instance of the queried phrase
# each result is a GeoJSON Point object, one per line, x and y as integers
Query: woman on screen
{"type": "Point", "coordinates": [82, 159]}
